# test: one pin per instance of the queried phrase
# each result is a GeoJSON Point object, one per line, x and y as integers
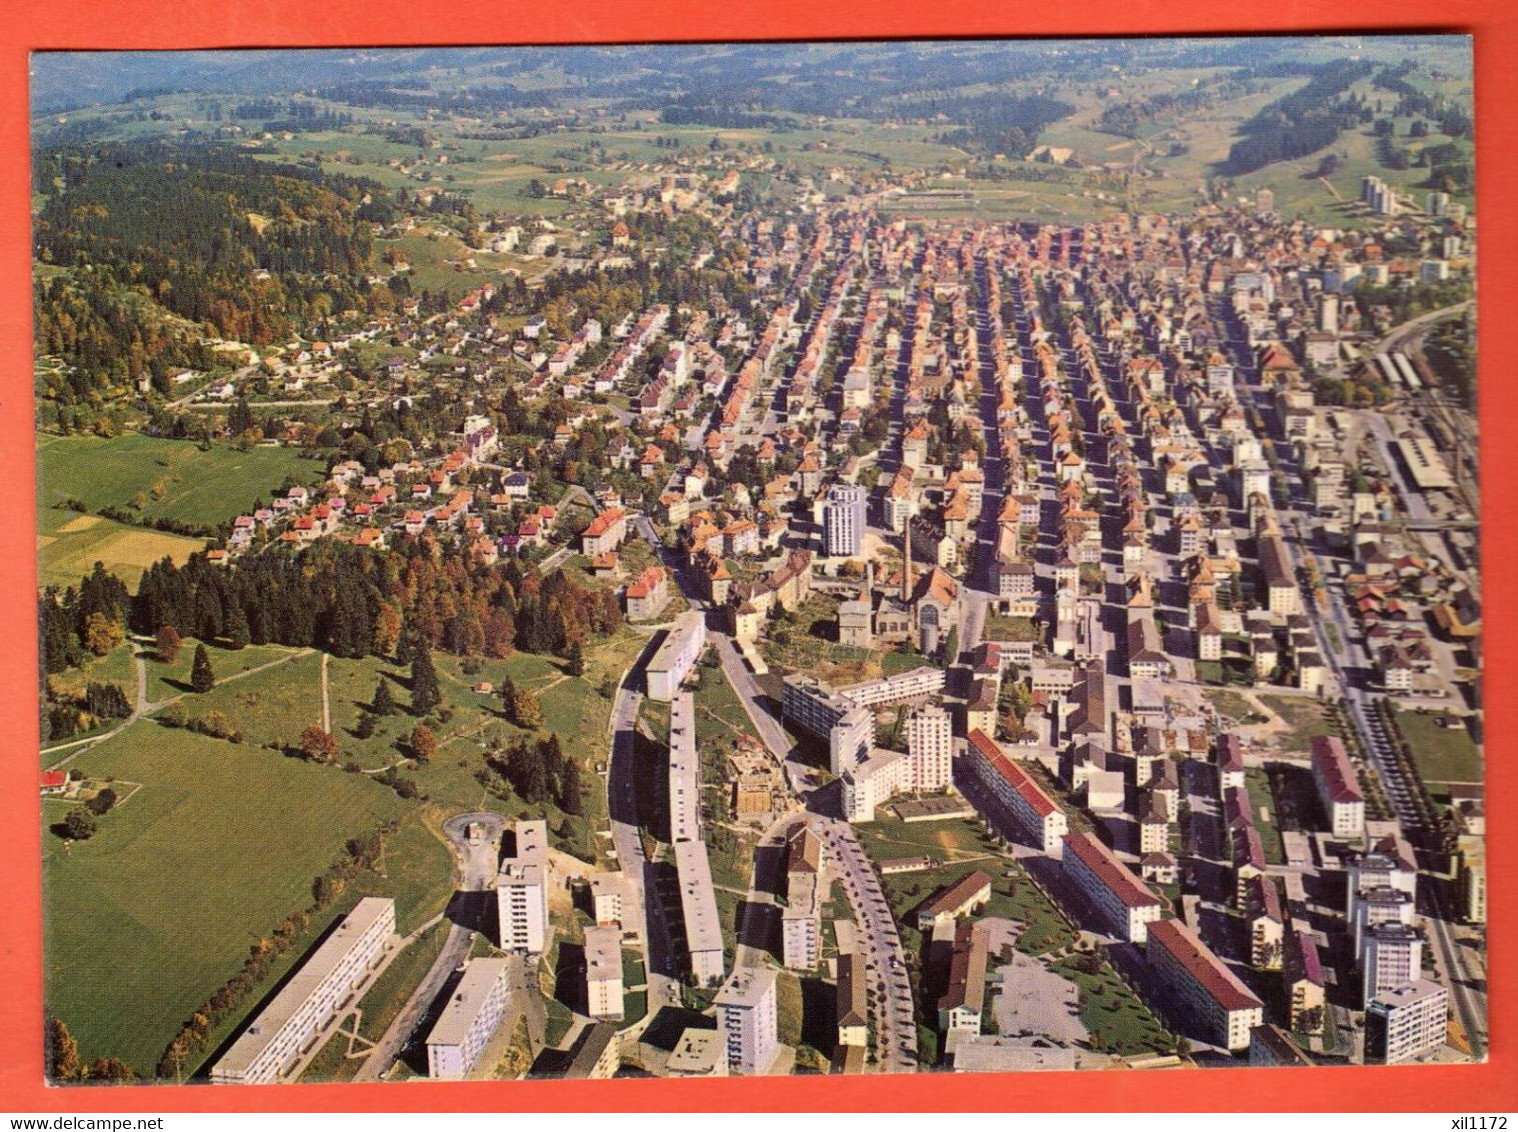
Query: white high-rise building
{"type": "Point", "coordinates": [469, 1021]}
{"type": "Point", "coordinates": [603, 972]}
{"type": "Point", "coordinates": [1411, 1021]}
{"type": "Point", "coordinates": [1392, 957]}
{"type": "Point", "coordinates": [521, 891]}
{"type": "Point", "coordinates": [930, 747]}
{"type": "Point", "coordinates": [746, 1013]}
{"type": "Point", "coordinates": [843, 520]}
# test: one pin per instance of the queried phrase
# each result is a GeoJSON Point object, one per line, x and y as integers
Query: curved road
{"type": "Point", "coordinates": [477, 862]}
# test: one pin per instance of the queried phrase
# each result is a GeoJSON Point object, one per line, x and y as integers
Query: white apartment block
{"type": "Point", "coordinates": [698, 907]}
{"type": "Point", "coordinates": [873, 781]}
{"type": "Point", "coordinates": [603, 972]}
{"type": "Point", "coordinates": [609, 898]}
{"type": "Point", "coordinates": [930, 747]}
{"type": "Point", "coordinates": [469, 1021]}
{"type": "Point", "coordinates": [684, 771]}
{"type": "Point", "coordinates": [801, 934]}
{"type": "Point", "coordinates": [672, 663]}
{"type": "Point", "coordinates": [843, 520]}
{"type": "Point", "coordinates": [924, 680]}
{"type": "Point", "coordinates": [1200, 987]}
{"type": "Point", "coordinates": [521, 891]}
{"type": "Point", "coordinates": [325, 982]}
{"type": "Point", "coordinates": [850, 739]}
{"type": "Point", "coordinates": [1376, 906]}
{"type": "Point", "coordinates": [746, 1014]}
{"type": "Point", "coordinates": [1391, 956]}
{"type": "Point", "coordinates": [1409, 1022]}
{"type": "Point", "coordinates": [1377, 869]}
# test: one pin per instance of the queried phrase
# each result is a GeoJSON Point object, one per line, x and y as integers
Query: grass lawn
{"type": "Point", "coordinates": [960, 845]}
{"type": "Point", "coordinates": [958, 839]}
{"type": "Point", "coordinates": [380, 1004]}
{"type": "Point", "coordinates": [170, 479]}
{"type": "Point", "coordinates": [1443, 754]}
{"type": "Point", "coordinates": [165, 681]}
{"type": "Point", "coordinates": [272, 706]}
{"type": "Point", "coordinates": [1000, 627]}
{"type": "Point", "coordinates": [147, 918]}
{"type": "Point", "coordinates": [1116, 1016]}
{"type": "Point", "coordinates": [560, 1019]}
{"type": "Point", "coordinates": [720, 716]}
{"type": "Point", "coordinates": [69, 544]}
{"type": "Point", "coordinates": [1231, 704]}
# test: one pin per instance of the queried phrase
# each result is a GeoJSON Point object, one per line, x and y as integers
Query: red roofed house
{"type": "Point", "coordinates": [1124, 903]}
{"type": "Point", "coordinates": [606, 532]}
{"type": "Point", "coordinates": [1338, 786]}
{"type": "Point", "coordinates": [1030, 807]}
{"type": "Point", "coordinates": [647, 594]}
{"type": "Point", "coordinates": [1215, 1005]}
{"type": "Point", "coordinates": [55, 782]}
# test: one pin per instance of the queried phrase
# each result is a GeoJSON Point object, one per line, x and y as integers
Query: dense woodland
{"type": "Point", "coordinates": [1303, 122]}
{"type": "Point", "coordinates": [245, 250]}
{"type": "Point", "coordinates": [345, 600]}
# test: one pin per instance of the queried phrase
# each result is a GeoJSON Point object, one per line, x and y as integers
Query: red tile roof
{"type": "Point", "coordinates": [1332, 762]}
{"type": "Point", "coordinates": [1016, 777]}
{"type": "Point", "coordinates": [1109, 870]}
{"type": "Point", "coordinates": [1205, 967]}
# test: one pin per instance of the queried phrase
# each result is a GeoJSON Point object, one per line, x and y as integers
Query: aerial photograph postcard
{"type": "Point", "coordinates": [691, 561]}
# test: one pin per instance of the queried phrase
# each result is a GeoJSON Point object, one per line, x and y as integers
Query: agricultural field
{"type": "Point", "coordinates": [148, 917]}
{"type": "Point", "coordinates": [69, 544]}
{"type": "Point", "coordinates": [165, 479]}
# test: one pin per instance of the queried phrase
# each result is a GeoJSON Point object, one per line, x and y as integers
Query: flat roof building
{"type": "Point", "coordinates": [872, 781]}
{"type": "Point", "coordinates": [521, 890]}
{"type": "Point", "coordinates": [747, 1015]}
{"type": "Point", "coordinates": [469, 1021]}
{"type": "Point", "coordinates": [698, 907]}
{"type": "Point", "coordinates": [603, 972]}
{"type": "Point", "coordinates": [1407, 1023]}
{"type": "Point", "coordinates": [675, 657]}
{"type": "Point", "coordinates": [1391, 956]}
{"type": "Point", "coordinates": [596, 1055]}
{"type": "Point", "coordinates": [610, 899]}
{"type": "Point", "coordinates": [684, 771]}
{"type": "Point", "coordinates": [323, 983]}
{"type": "Point", "coordinates": [930, 747]}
